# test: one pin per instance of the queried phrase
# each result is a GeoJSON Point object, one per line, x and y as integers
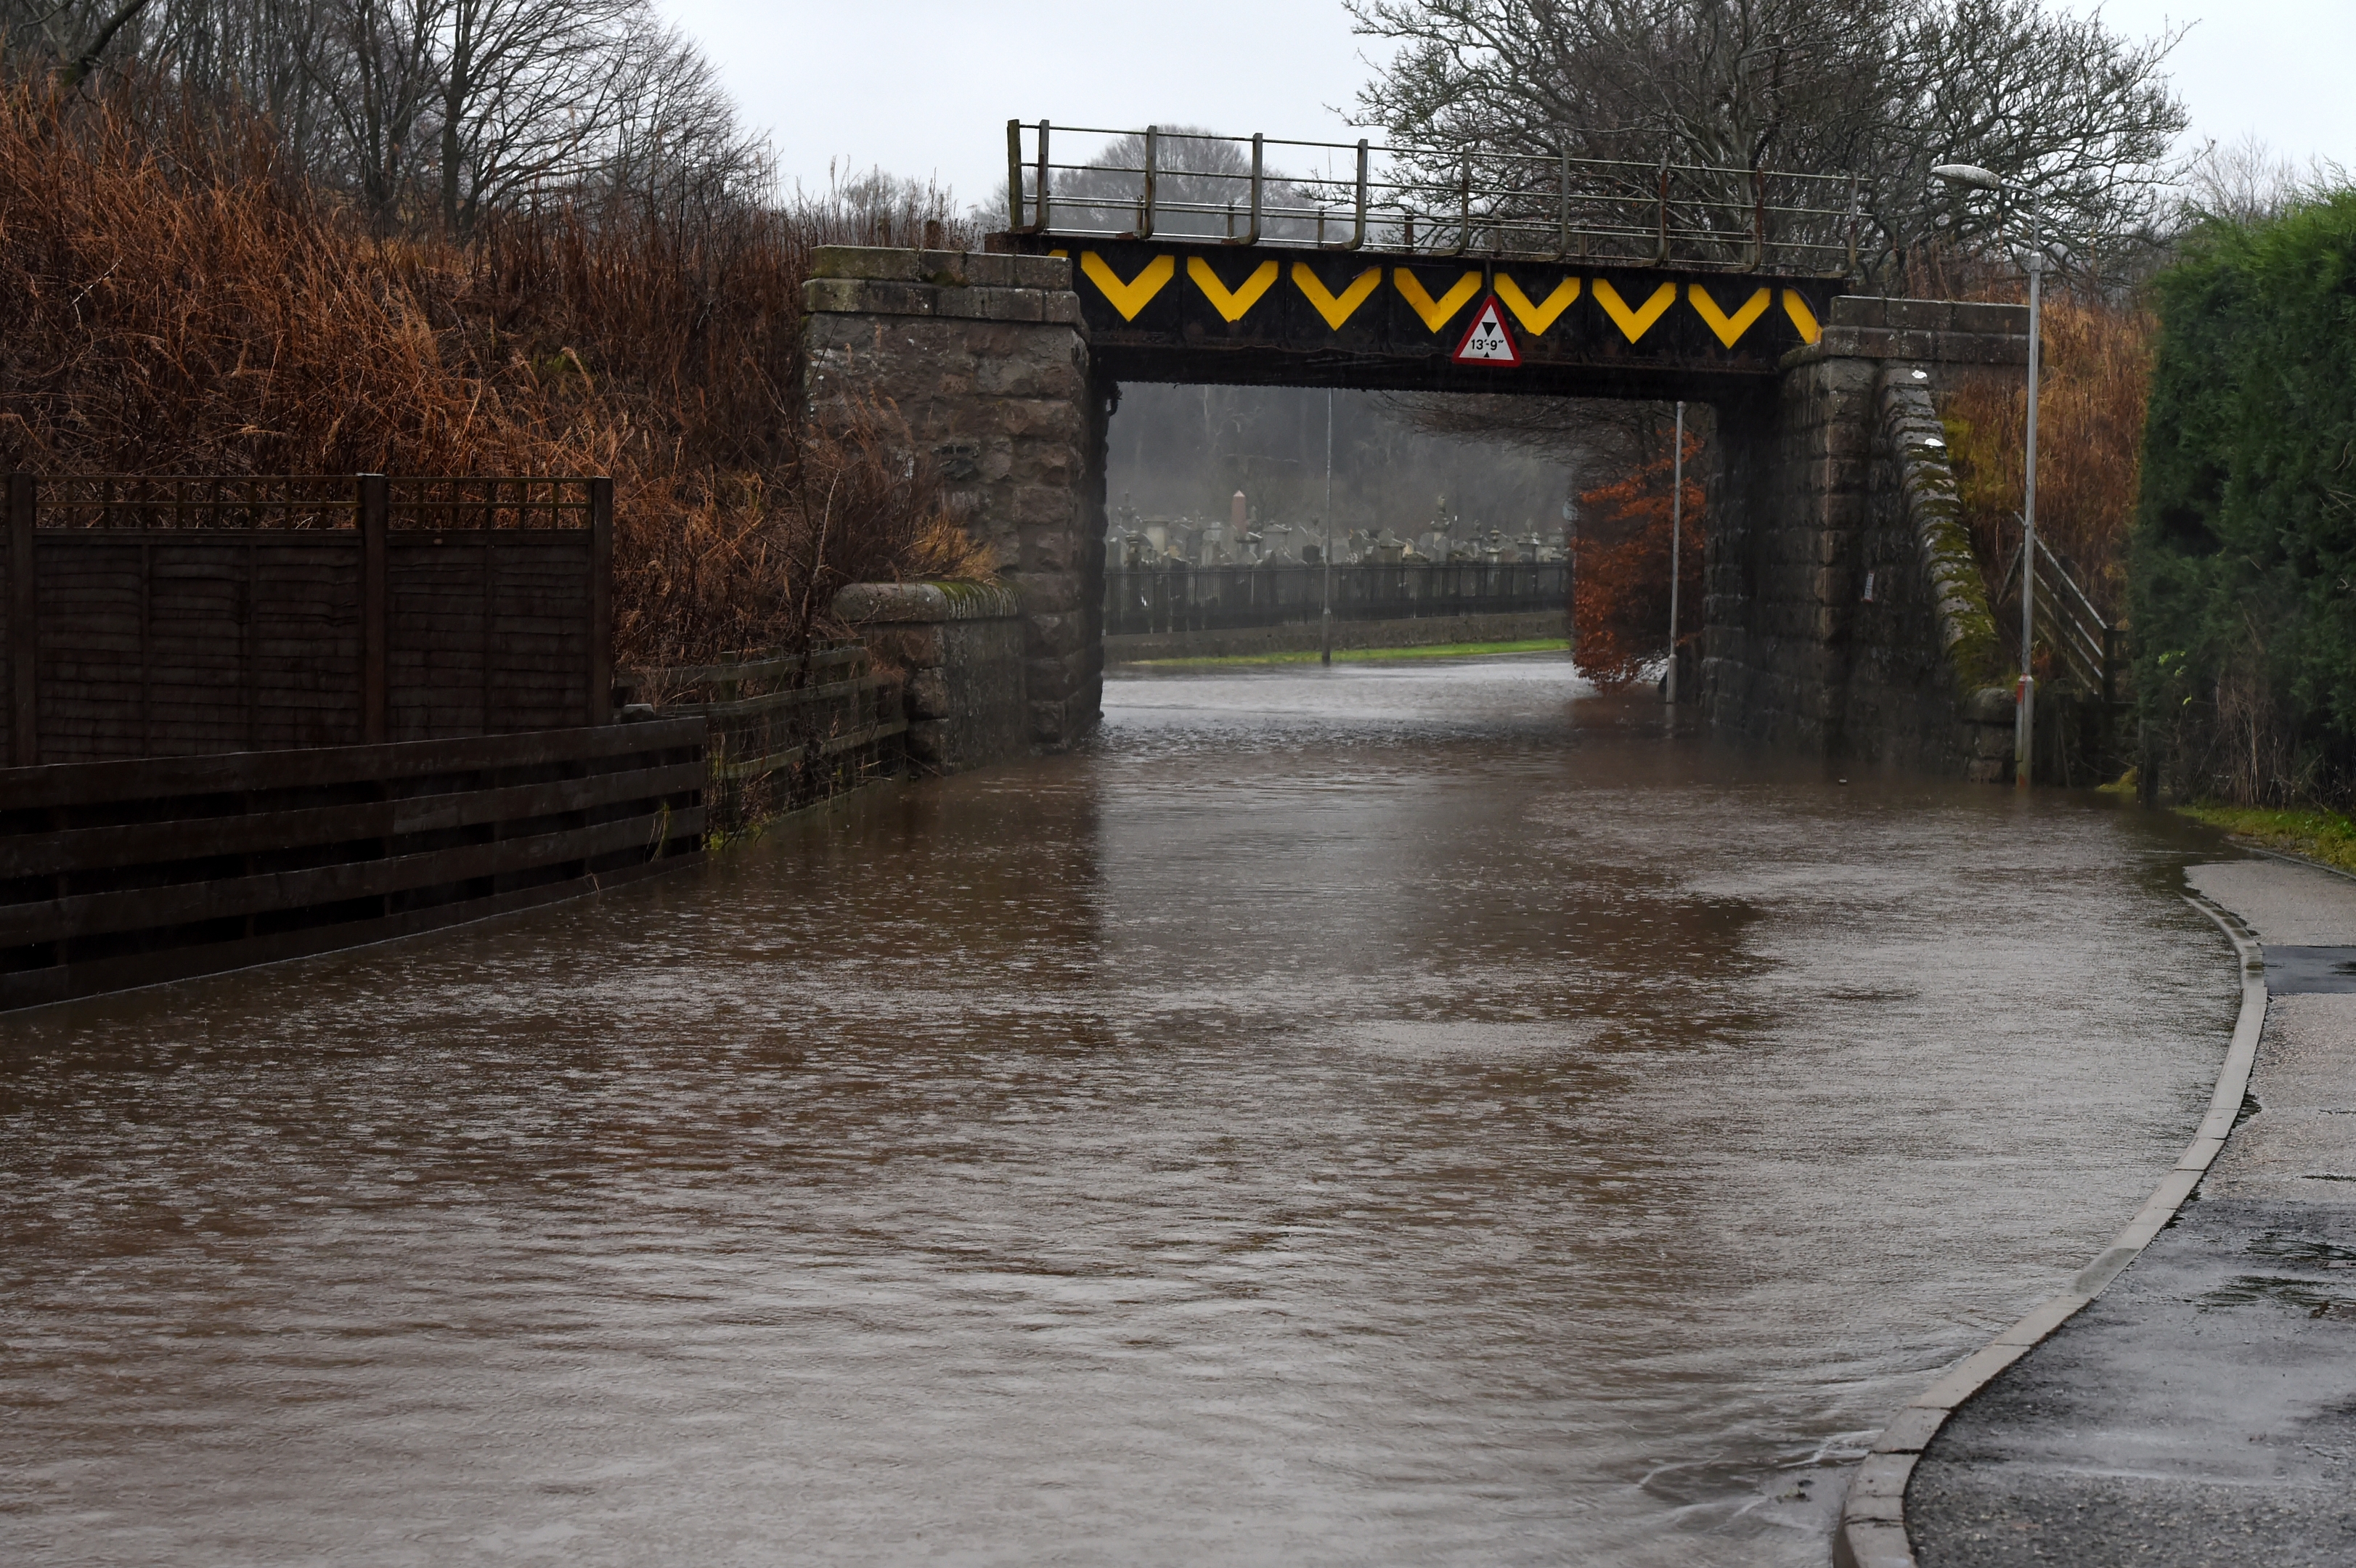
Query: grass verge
{"type": "Point", "coordinates": [1363, 656]}
{"type": "Point", "coordinates": [2325, 837]}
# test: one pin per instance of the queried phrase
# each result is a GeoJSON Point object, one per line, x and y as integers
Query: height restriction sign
{"type": "Point", "coordinates": [1486, 341]}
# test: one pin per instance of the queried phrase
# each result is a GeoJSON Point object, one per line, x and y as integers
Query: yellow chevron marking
{"type": "Point", "coordinates": [1730, 328]}
{"type": "Point", "coordinates": [1131, 297]}
{"type": "Point", "coordinates": [1436, 311]}
{"type": "Point", "coordinates": [1536, 318]}
{"type": "Point", "coordinates": [1802, 316]}
{"type": "Point", "coordinates": [1634, 323]}
{"type": "Point", "coordinates": [1230, 305]}
{"type": "Point", "coordinates": [1335, 308]}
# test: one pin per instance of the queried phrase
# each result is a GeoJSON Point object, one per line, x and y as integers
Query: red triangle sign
{"type": "Point", "coordinates": [1488, 341]}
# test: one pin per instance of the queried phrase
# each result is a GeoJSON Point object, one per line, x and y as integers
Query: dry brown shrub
{"type": "Point", "coordinates": [2094, 381]}
{"type": "Point", "coordinates": [181, 301]}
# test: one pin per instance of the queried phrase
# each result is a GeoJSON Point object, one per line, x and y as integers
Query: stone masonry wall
{"type": "Point", "coordinates": [1924, 670]}
{"type": "Point", "coordinates": [1846, 615]}
{"type": "Point", "coordinates": [959, 646]}
{"type": "Point", "coordinates": [983, 356]}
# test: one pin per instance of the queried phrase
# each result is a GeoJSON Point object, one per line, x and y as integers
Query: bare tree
{"type": "Point", "coordinates": [74, 35]}
{"type": "Point", "coordinates": [252, 51]}
{"type": "Point", "coordinates": [372, 64]}
{"type": "Point", "coordinates": [528, 93]}
{"type": "Point", "coordinates": [677, 138]}
{"type": "Point", "coordinates": [431, 110]}
{"type": "Point", "coordinates": [2077, 119]}
{"type": "Point", "coordinates": [2247, 182]}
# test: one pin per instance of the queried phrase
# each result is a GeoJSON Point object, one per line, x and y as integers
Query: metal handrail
{"type": "Point", "coordinates": [2085, 642]}
{"type": "Point", "coordinates": [1552, 206]}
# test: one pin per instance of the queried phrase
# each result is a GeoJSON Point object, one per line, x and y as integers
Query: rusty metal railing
{"type": "Point", "coordinates": [1085, 182]}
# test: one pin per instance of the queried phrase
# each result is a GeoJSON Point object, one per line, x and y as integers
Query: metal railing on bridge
{"type": "Point", "coordinates": [1180, 598]}
{"type": "Point", "coordinates": [1084, 182]}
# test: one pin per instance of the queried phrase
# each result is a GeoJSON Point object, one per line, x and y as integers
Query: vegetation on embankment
{"type": "Point", "coordinates": [2327, 838]}
{"type": "Point", "coordinates": [2095, 380]}
{"type": "Point", "coordinates": [183, 297]}
{"type": "Point", "coordinates": [2244, 580]}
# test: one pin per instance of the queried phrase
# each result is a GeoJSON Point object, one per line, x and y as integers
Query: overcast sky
{"type": "Point", "coordinates": [925, 87]}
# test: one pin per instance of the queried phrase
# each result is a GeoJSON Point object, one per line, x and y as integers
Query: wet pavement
{"type": "Point", "coordinates": [2202, 1409]}
{"type": "Point", "coordinates": [1404, 1116]}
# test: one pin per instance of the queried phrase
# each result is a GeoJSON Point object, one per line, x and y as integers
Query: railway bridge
{"type": "Point", "coordinates": [1844, 610]}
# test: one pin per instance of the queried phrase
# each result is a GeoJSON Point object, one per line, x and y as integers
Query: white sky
{"type": "Point", "coordinates": [925, 87]}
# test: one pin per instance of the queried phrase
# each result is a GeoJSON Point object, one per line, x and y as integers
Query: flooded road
{"type": "Point", "coordinates": [1390, 1115]}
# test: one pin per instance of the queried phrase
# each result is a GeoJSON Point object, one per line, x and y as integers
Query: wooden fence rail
{"type": "Point", "coordinates": [125, 873]}
{"type": "Point", "coordinates": [786, 730]}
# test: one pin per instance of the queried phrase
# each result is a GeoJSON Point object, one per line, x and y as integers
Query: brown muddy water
{"type": "Point", "coordinates": [1390, 1115]}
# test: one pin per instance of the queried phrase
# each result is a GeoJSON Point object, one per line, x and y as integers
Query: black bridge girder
{"type": "Point", "coordinates": [1197, 311]}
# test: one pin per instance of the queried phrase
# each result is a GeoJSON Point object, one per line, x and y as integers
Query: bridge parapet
{"type": "Point", "coordinates": [950, 284]}
{"type": "Point", "coordinates": [1944, 332]}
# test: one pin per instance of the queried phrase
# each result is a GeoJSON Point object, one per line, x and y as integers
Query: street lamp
{"type": "Point", "coordinates": [1325, 599]}
{"type": "Point", "coordinates": [2024, 731]}
{"type": "Point", "coordinates": [1677, 527]}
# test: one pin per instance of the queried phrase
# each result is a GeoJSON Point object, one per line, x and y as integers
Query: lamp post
{"type": "Point", "coordinates": [1325, 598]}
{"type": "Point", "coordinates": [1570, 576]}
{"type": "Point", "coordinates": [1677, 527]}
{"type": "Point", "coordinates": [2024, 730]}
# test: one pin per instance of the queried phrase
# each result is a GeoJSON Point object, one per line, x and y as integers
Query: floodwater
{"type": "Point", "coordinates": [1395, 1115]}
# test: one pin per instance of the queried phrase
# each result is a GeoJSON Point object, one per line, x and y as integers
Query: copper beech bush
{"type": "Point", "coordinates": [1620, 589]}
{"type": "Point", "coordinates": [180, 301]}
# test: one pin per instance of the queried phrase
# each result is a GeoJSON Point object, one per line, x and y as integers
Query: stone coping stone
{"type": "Point", "coordinates": [1916, 345]}
{"type": "Point", "coordinates": [942, 269]}
{"type": "Point", "coordinates": [895, 603]}
{"type": "Point", "coordinates": [1929, 316]}
{"type": "Point", "coordinates": [861, 296]}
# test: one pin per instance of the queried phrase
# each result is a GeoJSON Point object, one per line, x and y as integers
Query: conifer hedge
{"type": "Point", "coordinates": [2243, 586]}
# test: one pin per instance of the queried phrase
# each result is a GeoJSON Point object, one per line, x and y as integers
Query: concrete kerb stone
{"type": "Point", "coordinates": [1872, 1533]}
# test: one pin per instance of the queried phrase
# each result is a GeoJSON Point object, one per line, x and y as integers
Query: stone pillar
{"type": "Point", "coordinates": [1838, 614]}
{"type": "Point", "coordinates": [984, 358]}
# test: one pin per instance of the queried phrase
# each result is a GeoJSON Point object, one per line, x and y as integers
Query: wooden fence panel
{"type": "Point", "coordinates": [137, 623]}
{"type": "Point", "coordinates": [125, 873]}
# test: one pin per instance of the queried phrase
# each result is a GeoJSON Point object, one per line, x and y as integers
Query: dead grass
{"type": "Point", "coordinates": [2094, 382]}
{"type": "Point", "coordinates": [180, 301]}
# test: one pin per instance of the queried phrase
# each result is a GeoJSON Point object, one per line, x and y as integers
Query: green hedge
{"type": "Point", "coordinates": [2243, 587]}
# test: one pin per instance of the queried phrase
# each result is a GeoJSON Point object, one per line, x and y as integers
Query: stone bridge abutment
{"type": "Point", "coordinates": [983, 360]}
{"type": "Point", "coordinates": [1845, 611]}
{"type": "Point", "coordinates": [1846, 614]}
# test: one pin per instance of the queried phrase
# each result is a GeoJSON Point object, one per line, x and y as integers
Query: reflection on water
{"type": "Point", "coordinates": [1417, 1114]}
